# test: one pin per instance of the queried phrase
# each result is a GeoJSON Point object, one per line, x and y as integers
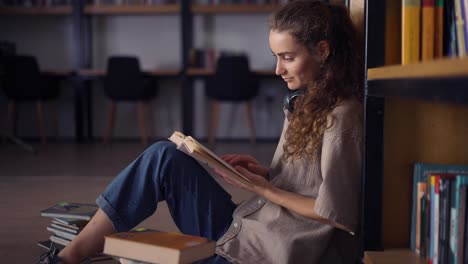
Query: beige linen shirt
{"type": "Point", "coordinates": [263, 232]}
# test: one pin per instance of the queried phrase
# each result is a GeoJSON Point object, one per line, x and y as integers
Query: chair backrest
{"type": "Point", "coordinates": [124, 79]}
{"type": "Point", "coordinates": [23, 79]}
{"type": "Point", "coordinates": [233, 80]}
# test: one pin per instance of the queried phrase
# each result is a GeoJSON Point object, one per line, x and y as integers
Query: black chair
{"type": "Point", "coordinates": [24, 82]}
{"type": "Point", "coordinates": [124, 81]}
{"type": "Point", "coordinates": [232, 82]}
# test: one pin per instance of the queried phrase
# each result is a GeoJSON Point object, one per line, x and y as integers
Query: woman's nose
{"type": "Point", "coordinates": [279, 68]}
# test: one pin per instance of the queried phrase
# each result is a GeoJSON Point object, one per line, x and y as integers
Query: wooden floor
{"type": "Point", "coordinates": [72, 172]}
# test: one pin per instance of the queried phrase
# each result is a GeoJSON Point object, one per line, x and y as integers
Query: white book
{"type": "Point", "coordinates": [59, 240]}
{"type": "Point", "coordinates": [60, 233]}
{"type": "Point", "coordinates": [192, 147]}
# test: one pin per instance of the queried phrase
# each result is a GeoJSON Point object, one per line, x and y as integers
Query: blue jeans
{"type": "Point", "coordinates": [197, 203]}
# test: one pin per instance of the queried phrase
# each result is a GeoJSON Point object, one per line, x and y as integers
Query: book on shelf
{"type": "Point", "coordinates": [434, 222]}
{"type": "Point", "coordinates": [455, 255]}
{"type": "Point", "coordinates": [445, 181]}
{"type": "Point", "coordinates": [420, 173]}
{"type": "Point", "coordinates": [410, 31]}
{"type": "Point", "coordinates": [439, 29]}
{"type": "Point", "coordinates": [79, 211]}
{"type": "Point", "coordinates": [427, 29]}
{"type": "Point", "coordinates": [422, 191]}
{"type": "Point", "coordinates": [192, 147]}
{"type": "Point", "coordinates": [460, 28]}
{"type": "Point", "coordinates": [158, 247]}
{"type": "Point", "coordinates": [461, 251]}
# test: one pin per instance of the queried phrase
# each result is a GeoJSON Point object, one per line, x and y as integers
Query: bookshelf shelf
{"type": "Point", "coordinates": [435, 68]}
{"type": "Point", "coordinates": [43, 10]}
{"type": "Point", "coordinates": [440, 80]}
{"type": "Point", "coordinates": [131, 9]}
{"type": "Point", "coordinates": [234, 8]}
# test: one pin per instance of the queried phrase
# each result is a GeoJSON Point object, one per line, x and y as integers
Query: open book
{"type": "Point", "coordinates": [193, 148]}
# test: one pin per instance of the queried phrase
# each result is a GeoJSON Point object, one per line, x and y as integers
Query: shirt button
{"type": "Point", "coordinates": [235, 225]}
{"type": "Point", "coordinates": [259, 201]}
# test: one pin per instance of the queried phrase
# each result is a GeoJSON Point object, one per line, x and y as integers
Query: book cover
{"type": "Point", "coordinates": [192, 147]}
{"type": "Point", "coordinates": [158, 247]}
{"type": "Point", "coordinates": [70, 210]}
{"type": "Point", "coordinates": [439, 29]}
{"type": "Point", "coordinates": [410, 31]}
{"type": "Point", "coordinates": [420, 171]}
{"type": "Point", "coordinates": [427, 30]}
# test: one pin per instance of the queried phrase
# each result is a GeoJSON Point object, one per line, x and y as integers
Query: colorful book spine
{"type": "Point", "coordinates": [464, 11]}
{"type": "Point", "coordinates": [434, 250]}
{"type": "Point", "coordinates": [439, 29]}
{"type": "Point", "coordinates": [460, 29]}
{"type": "Point", "coordinates": [422, 190]}
{"type": "Point", "coordinates": [427, 30]}
{"type": "Point", "coordinates": [444, 219]}
{"type": "Point", "coordinates": [461, 224]}
{"type": "Point", "coordinates": [461, 180]}
{"type": "Point", "coordinates": [420, 171]}
{"type": "Point", "coordinates": [410, 28]}
{"type": "Point", "coordinates": [424, 226]}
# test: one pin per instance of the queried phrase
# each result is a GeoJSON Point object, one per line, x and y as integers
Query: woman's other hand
{"type": "Point", "coordinates": [248, 162]}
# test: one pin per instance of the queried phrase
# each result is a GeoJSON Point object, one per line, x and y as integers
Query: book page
{"type": "Point", "coordinates": [193, 148]}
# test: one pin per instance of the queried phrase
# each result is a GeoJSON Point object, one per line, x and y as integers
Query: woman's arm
{"type": "Point", "coordinates": [297, 203]}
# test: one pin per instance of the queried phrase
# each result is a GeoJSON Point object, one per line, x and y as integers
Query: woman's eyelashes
{"type": "Point", "coordinates": [286, 58]}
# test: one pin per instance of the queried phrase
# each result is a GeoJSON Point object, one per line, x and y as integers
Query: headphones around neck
{"type": "Point", "coordinates": [288, 102]}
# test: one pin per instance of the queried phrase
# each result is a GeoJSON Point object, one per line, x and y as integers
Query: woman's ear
{"type": "Point", "coordinates": [323, 50]}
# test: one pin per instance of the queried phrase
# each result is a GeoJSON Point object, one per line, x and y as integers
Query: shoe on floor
{"type": "Point", "coordinates": [50, 257]}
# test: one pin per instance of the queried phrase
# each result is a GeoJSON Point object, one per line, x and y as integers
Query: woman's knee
{"type": "Point", "coordinates": [162, 149]}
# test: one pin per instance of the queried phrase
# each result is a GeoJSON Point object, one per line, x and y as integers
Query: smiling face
{"type": "Point", "coordinates": [294, 62]}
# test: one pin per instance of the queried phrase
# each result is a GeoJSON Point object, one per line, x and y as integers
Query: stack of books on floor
{"type": "Point", "coordinates": [67, 221]}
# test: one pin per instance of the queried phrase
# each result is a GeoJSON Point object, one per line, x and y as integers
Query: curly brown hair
{"type": "Point", "coordinates": [340, 75]}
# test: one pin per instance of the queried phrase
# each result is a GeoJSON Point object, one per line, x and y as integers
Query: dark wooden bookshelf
{"type": "Point", "coordinates": [234, 8]}
{"type": "Point", "coordinates": [36, 10]}
{"type": "Point", "coordinates": [132, 9]}
{"type": "Point", "coordinates": [414, 113]}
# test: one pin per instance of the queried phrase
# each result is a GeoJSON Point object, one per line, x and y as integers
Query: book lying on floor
{"type": "Point", "coordinates": [71, 210]}
{"type": "Point", "coordinates": [192, 147]}
{"type": "Point", "coordinates": [158, 247]}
